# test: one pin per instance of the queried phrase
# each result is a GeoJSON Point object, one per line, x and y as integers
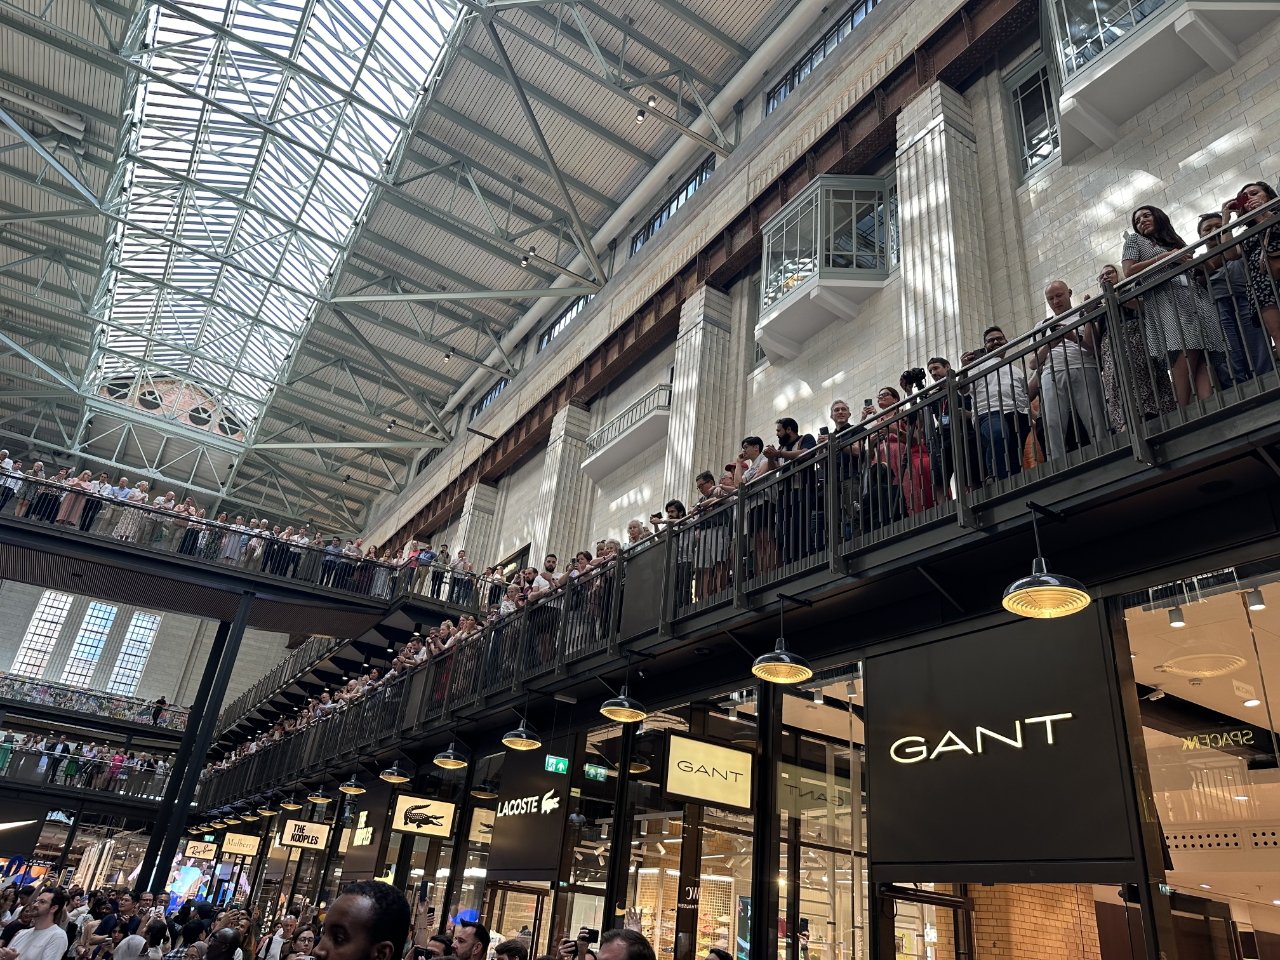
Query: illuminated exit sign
{"type": "Point", "coordinates": [556, 764]}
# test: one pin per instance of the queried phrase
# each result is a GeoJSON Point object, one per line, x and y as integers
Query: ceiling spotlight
{"type": "Point", "coordinates": [524, 260]}
{"type": "Point", "coordinates": [448, 355]}
{"type": "Point", "coordinates": [640, 115]}
{"type": "Point", "coordinates": [450, 758]}
{"type": "Point", "coordinates": [1043, 595]}
{"type": "Point", "coordinates": [1253, 702]}
{"type": "Point", "coordinates": [1176, 619]}
{"type": "Point", "coordinates": [817, 696]}
{"type": "Point", "coordinates": [417, 631]}
{"type": "Point", "coordinates": [652, 101]}
{"type": "Point", "coordinates": [523, 737]}
{"type": "Point", "coordinates": [1254, 600]}
{"type": "Point", "coordinates": [346, 479]}
{"type": "Point", "coordinates": [391, 424]}
{"type": "Point", "coordinates": [623, 708]}
{"type": "Point", "coordinates": [353, 787]}
{"type": "Point", "coordinates": [319, 797]}
{"type": "Point", "coordinates": [393, 774]}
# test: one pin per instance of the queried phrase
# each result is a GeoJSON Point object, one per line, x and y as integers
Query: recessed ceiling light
{"type": "Point", "coordinates": [1205, 886]}
{"type": "Point", "coordinates": [1241, 798]}
{"type": "Point", "coordinates": [1275, 903]}
{"type": "Point", "coordinates": [1253, 702]}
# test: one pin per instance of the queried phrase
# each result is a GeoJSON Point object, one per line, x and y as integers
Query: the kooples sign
{"type": "Point", "coordinates": [998, 755]}
{"type": "Point", "coordinates": [702, 772]}
{"type": "Point", "coordinates": [914, 749]}
{"type": "Point", "coordinates": [422, 815]}
{"type": "Point", "coordinates": [529, 817]}
{"type": "Point", "coordinates": [305, 834]}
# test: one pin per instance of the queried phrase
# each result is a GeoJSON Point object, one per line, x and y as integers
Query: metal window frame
{"type": "Point", "coordinates": [673, 202]}
{"type": "Point", "coordinates": [127, 672]}
{"type": "Point", "coordinates": [1028, 68]}
{"type": "Point", "coordinates": [42, 627]}
{"type": "Point", "coordinates": [804, 65]}
{"type": "Point", "coordinates": [90, 641]}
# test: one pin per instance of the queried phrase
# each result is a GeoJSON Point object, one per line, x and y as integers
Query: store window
{"type": "Point", "coordinates": [134, 654]}
{"type": "Point", "coordinates": [1034, 113]}
{"type": "Point", "coordinates": [42, 634]}
{"type": "Point", "coordinates": [1206, 666]}
{"type": "Point", "coordinates": [86, 650]}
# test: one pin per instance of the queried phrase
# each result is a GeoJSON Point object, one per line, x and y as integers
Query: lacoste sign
{"type": "Point", "coordinates": [422, 815]}
{"type": "Point", "coordinates": [547, 803]}
{"type": "Point", "coordinates": [530, 814]}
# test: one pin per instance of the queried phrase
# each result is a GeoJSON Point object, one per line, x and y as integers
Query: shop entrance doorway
{"type": "Point", "coordinates": [512, 908]}
{"type": "Point", "coordinates": [927, 921]}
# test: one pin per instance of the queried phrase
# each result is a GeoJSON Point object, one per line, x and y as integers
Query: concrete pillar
{"type": "Point", "coordinates": [698, 435]}
{"type": "Point", "coordinates": [564, 496]}
{"type": "Point", "coordinates": [475, 533]}
{"type": "Point", "coordinates": [946, 291]}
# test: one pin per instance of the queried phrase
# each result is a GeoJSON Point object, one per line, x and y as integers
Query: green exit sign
{"type": "Point", "coordinates": [594, 771]}
{"type": "Point", "coordinates": [556, 764]}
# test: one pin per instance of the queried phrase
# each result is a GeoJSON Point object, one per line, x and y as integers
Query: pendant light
{"type": "Point", "coordinates": [1044, 595]}
{"type": "Point", "coordinates": [353, 787]}
{"type": "Point", "coordinates": [393, 774]}
{"type": "Point", "coordinates": [624, 708]}
{"type": "Point", "coordinates": [290, 803]}
{"type": "Point", "coordinates": [319, 797]}
{"type": "Point", "coordinates": [523, 737]}
{"type": "Point", "coordinates": [781, 665]}
{"type": "Point", "coordinates": [484, 791]}
{"type": "Point", "coordinates": [248, 816]}
{"type": "Point", "coordinates": [231, 818]}
{"type": "Point", "coordinates": [265, 809]}
{"type": "Point", "coordinates": [450, 758]}
{"type": "Point", "coordinates": [216, 824]}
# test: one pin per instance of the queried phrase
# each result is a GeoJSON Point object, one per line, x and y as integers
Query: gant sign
{"type": "Point", "coordinates": [914, 749]}
{"type": "Point", "coordinates": [708, 773]}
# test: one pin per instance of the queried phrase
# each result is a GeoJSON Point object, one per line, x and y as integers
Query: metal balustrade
{"type": "Point", "coordinates": [60, 696]}
{"type": "Point", "coordinates": [659, 398]}
{"type": "Point", "coordinates": [110, 771]}
{"type": "Point", "coordinates": [1080, 390]}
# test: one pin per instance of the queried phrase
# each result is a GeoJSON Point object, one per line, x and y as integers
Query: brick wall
{"type": "Point", "coordinates": [1040, 921]}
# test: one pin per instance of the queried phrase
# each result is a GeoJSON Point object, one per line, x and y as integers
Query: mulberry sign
{"type": "Point", "coordinates": [240, 844]}
{"type": "Point", "coordinates": [702, 772]}
{"type": "Point", "coordinates": [305, 834]}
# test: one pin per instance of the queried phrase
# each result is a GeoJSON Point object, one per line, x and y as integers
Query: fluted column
{"type": "Point", "coordinates": [946, 291]}
{"type": "Point", "coordinates": [564, 496]}
{"type": "Point", "coordinates": [476, 525]}
{"type": "Point", "coordinates": [698, 433]}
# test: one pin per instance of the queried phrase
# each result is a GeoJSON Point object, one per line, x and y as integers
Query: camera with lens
{"type": "Point", "coordinates": [914, 378]}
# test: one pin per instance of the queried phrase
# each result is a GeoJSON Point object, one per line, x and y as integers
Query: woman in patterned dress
{"type": "Point", "coordinates": [1152, 391]}
{"type": "Point", "coordinates": [1261, 253]}
{"type": "Point", "coordinates": [130, 522]}
{"type": "Point", "coordinates": [1173, 311]}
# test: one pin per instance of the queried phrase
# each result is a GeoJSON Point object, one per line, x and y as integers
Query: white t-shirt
{"type": "Point", "coordinates": [540, 582]}
{"type": "Point", "coordinates": [1066, 353]}
{"type": "Point", "coordinates": [47, 944]}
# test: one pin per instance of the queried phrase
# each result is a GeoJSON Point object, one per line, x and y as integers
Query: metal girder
{"type": "Point", "coordinates": [378, 445]}
{"type": "Point", "coordinates": [38, 363]}
{"type": "Point", "coordinates": [373, 351]}
{"type": "Point", "coordinates": [431, 296]}
{"type": "Point", "coordinates": [611, 78]}
{"type": "Point", "coordinates": [43, 152]}
{"type": "Point", "coordinates": [585, 245]}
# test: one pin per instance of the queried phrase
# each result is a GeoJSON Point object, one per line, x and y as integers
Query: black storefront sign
{"type": "Point", "coordinates": [1000, 756]}
{"type": "Point", "coordinates": [530, 817]}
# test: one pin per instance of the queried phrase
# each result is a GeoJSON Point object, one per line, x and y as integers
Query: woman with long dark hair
{"type": "Point", "coordinates": [1261, 252]}
{"type": "Point", "coordinates": [1178, 325]}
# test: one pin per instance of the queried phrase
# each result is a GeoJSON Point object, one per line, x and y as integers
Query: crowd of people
{"type": "Point", "coordinates": [368, 920]}
{"type": "Point", "coordinates": [48, 694]}
{"type": "Point", "coordinates": [48, 758]}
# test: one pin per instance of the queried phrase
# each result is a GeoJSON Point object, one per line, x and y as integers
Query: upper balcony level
{"type": "Point", "coordinates": [904, 525]}
{"type": "Point", "coordinates": [1118, 57]}
{"type": "Point", "coordinates": [631, 432]}
{"type": "Point", "coordinates": [46, 700]}
{"type": "Point", "coordinates": [825, 253]}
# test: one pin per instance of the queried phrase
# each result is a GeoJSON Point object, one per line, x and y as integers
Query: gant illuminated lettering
{"type": "Point", "coordinates": [913, 749]}
{"type": "Point", "coordinates": [714, 773]}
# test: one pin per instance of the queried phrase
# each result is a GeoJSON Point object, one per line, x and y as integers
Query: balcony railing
{"type": "Point", "coordinates": [59, 696]}
{"type": "Point", "coordinates": [1083, 29]}
{"type": "Point", "coordinates": [108, 770]}
{"type": "Point", "coordinates": [299, 661]}
{"type": "Point", "coordinates": [659, 398]}
{"type": "Point", "coordinates": [933, 460]}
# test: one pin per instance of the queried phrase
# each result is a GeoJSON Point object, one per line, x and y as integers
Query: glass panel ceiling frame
{"type": "Point", "coordinates": [239, 204]}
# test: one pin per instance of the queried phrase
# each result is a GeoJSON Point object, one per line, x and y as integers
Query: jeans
{"type": "Point", "coordinates": [1248, 348]}
{"type": "Point", "coordinates": [1000, 435]}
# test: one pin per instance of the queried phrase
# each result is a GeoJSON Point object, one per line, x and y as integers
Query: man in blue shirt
{"type": "Point", "coordinates": [426, 557]}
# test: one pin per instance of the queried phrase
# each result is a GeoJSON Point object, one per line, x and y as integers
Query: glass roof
{"type": "Point", "coordinates": [239, 202]}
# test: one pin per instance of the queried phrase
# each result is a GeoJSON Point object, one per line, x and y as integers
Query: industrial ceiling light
{"type": "Point", "coordinates": [450, 758]}
{"type": "Point", "coordinates": [781, 665]}
{"type": "Point", "coordinates": [231, 818]}
{"type": "Point", "coordinates": [624, 708]}
{"type": "Point", "coordinates": [638, 765]}
{"type": "Point", "coordinates": [1254, 599]}
{"type": "Point", "coordinates": [353, 787]}
{"type": "Point", "coordinates": [248, 816]}
{"type": "Point", "coordinates": [1043, 595]}
{"type": "Point", "coordinates": [484, 791]}
{"type": "Point", "coordinates": [640, 115]}
{"type": "Point", "coordinates": [524, 260]}
{"type": "Point", "coordinates": [290, 803]}
{"type": "Point", "coordinates": [523, 737]}
{"type": "Point", "coordinates": [391, 424]}
{"type": "Point", "coordinates": [393, 774]}
{"type": "Point", "coordinates": [266, 809]}
{"type": "Point", "coordinates": [319, 797]}
{"type": "Point", "coordinates": [1176, 619]}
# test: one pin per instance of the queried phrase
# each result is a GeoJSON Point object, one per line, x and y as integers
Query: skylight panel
{"type": "Point", "coordinates": [235, 218]}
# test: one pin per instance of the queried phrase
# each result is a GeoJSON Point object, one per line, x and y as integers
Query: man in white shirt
{"type": "Point", "coordinates": [1070, 385]}
{"type": "Point", "coordinates": [546, 580]}
{"type": "Point", "coordinates": [6, 463]}
{"type": "Point", "coordinates": [44, 939]}
{"type": "Point", "coordinates": [270, 948]}
{"type": "Point", "coordinates": [1001, 408]}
